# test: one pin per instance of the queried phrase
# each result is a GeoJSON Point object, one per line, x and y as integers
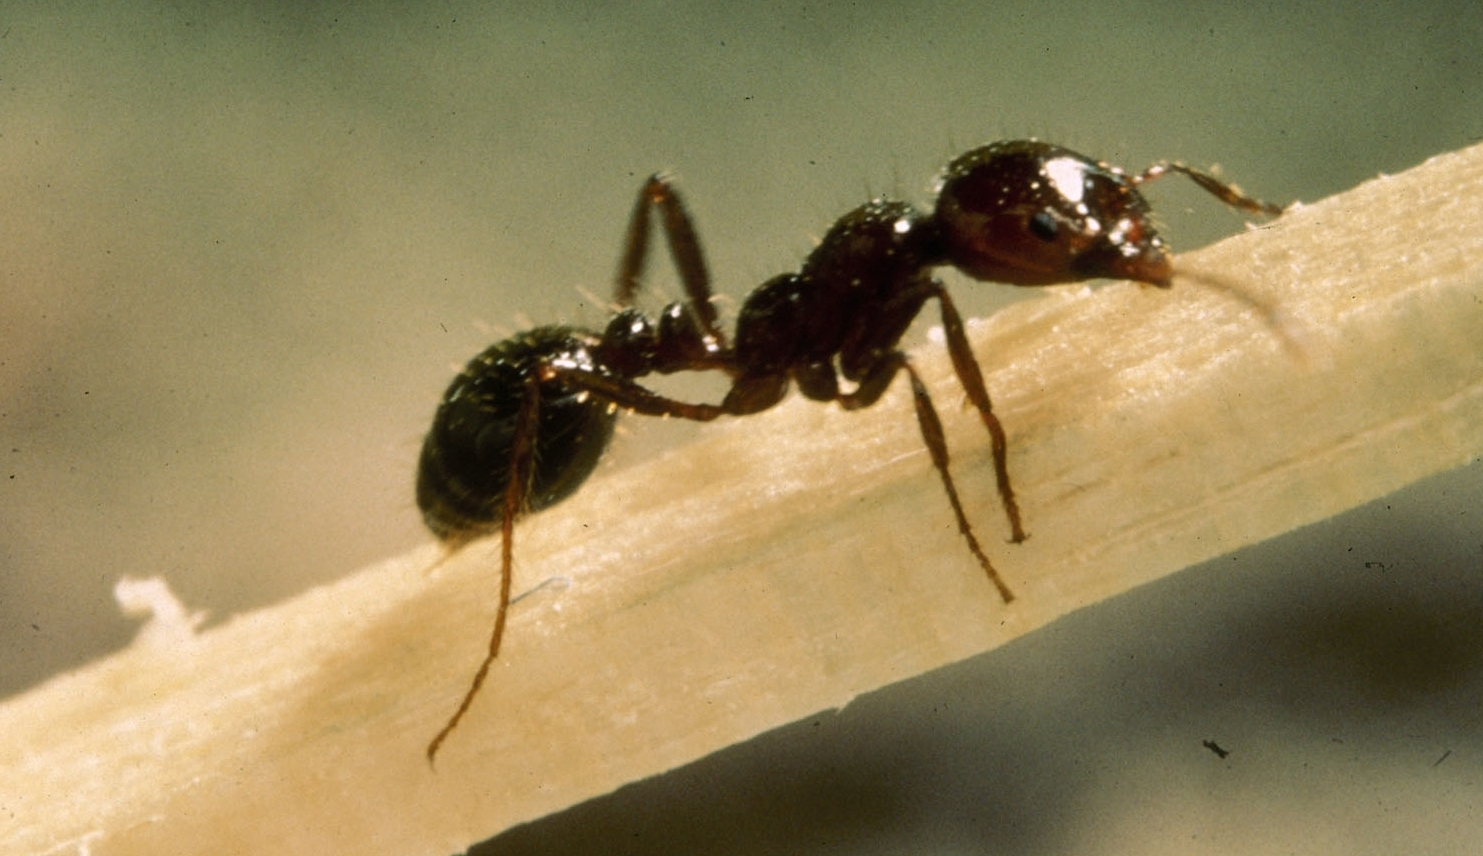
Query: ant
{"type": "Point", "coordinates": [525, 423]}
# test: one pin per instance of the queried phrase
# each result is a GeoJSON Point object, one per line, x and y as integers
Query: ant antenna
{"type": "Point", "coordinates": [1287, 331]}
{"type": "Point", "coordinates": [1230, 194]}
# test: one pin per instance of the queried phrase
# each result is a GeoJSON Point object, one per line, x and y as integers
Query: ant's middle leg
{"type": "Point", "coordinates": [684, 246]}
{"type": "Point", "coordinates": [869, 390]}
{"type": "Point", "coordinates": [751, 398]}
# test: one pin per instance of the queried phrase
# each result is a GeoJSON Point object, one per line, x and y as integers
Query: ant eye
{"type": "Point", "coordinates": [1043, 226]}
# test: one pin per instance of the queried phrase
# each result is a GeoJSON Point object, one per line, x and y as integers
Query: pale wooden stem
{"type": "Point", "coordinates": [787, 562]}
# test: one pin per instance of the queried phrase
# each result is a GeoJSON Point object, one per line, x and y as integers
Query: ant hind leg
{"type": "Point", "coordinates": [522, 459]}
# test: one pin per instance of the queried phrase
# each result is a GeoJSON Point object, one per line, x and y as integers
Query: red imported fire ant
{"type": "Point", "coordinates": [527, 420]}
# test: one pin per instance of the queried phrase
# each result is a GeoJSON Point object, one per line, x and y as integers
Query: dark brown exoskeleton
{"type": "Point", "coordinates": [527, 420]}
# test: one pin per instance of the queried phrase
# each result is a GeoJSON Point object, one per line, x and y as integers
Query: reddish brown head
{"type": "Point", "coordinates": [1031, 213]}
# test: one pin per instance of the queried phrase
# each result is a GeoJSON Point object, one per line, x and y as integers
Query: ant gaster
{"type": "Point", "coordinates": [527, 420]}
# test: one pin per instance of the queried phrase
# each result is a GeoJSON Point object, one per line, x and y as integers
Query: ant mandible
{"type": "Point", "coordinates": [527, 420]}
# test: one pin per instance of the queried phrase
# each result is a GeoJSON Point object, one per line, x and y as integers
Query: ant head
{"type": "Point", "coordinates": [1030, 213]}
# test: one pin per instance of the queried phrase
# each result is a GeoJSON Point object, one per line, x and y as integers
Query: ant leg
{"type": "Point", "coordinates": [635, 249]}
{"type": "Point", "coordinates": [869, 390]}
{"type": "Point", "coordinates": [747, 395]}
{"type": "Point", "coordinates": [1224, 191]}
{"type": "Point", "coordinates": [629, 395]}
{"type": "Point", "coordinates": [684, 247]}
{"type": "Point", "coordinates": [626, 393]}
{"type": "Point", "coordinates": [522, 459]}
{"type": "Point", "coordinates": [972, 379]}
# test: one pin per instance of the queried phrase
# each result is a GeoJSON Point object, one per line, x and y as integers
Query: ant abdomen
{"type": "Point", "coordinates": [464, 472]}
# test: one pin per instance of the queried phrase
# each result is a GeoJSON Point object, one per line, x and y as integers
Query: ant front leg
{"type": "Point", "coordinates": [522, 460]}
{"type": "Point", "coordinates": [684, 246]}
{"type": "Point", "coordinates": [870, 388]}
{"type": "Point", "coordinates": [972, 379]}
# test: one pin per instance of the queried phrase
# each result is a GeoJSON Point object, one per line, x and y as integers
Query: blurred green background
{"type": "Point", "coordinates": [243, 246]}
